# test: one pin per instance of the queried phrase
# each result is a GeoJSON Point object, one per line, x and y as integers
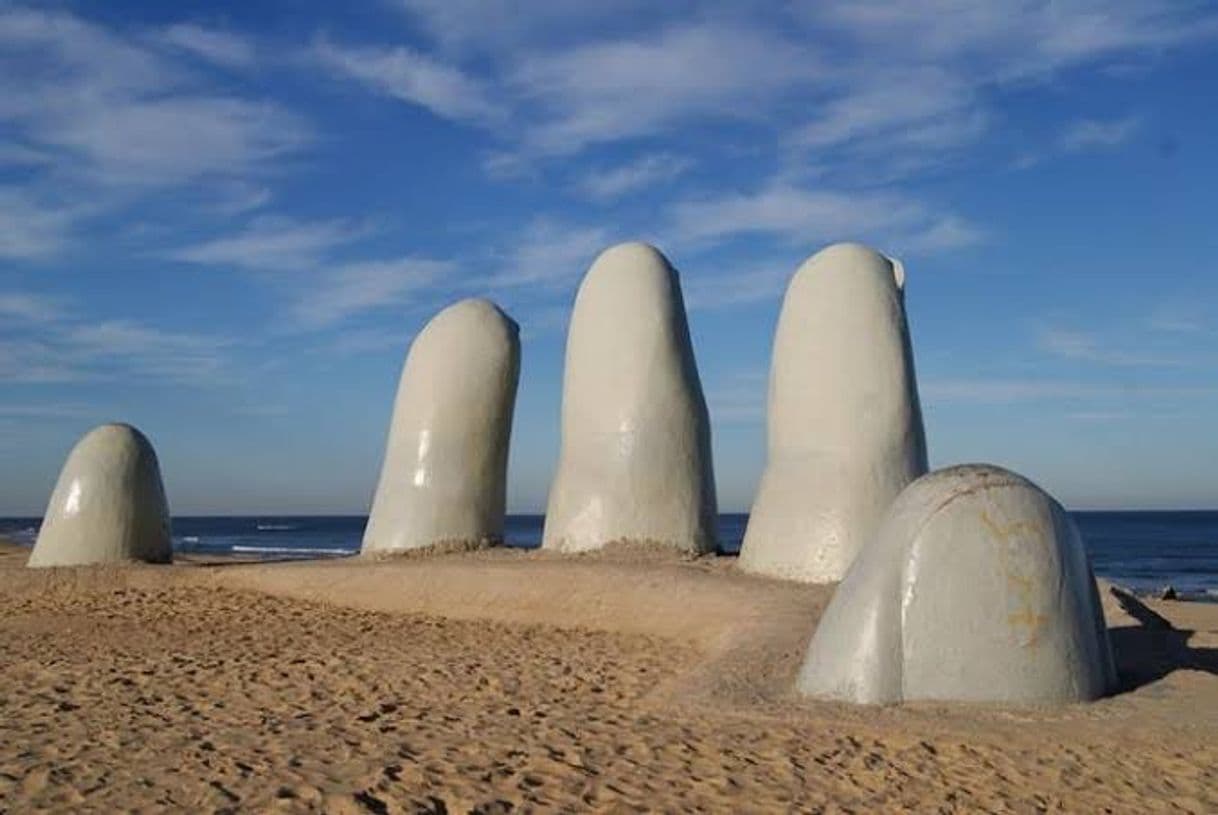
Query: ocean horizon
{"type": "Point", "coordinates": [1144, 550]}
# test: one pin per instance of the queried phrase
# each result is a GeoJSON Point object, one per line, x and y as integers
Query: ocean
{"type": "Point", "coordinates": [1142, 550]}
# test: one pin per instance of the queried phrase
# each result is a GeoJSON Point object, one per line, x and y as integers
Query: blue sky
{"type": "Point", "coordinates": [224, 222]}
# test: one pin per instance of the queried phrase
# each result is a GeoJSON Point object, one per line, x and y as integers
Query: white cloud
{"type": "Point", "coordinates": [18, 155]}
{"type": "Point", "coordinates": [33, 361]}
{"type": "Point", "coordinates": [29, 229]}
{"type": "Point", "coordinates": [322, 290]}
{"type": "Point", "coordinates": [1178, 319]}
{"type": "Point", "coordinates": [55, 347]}
{"type": "Point", "coordinates": [946, 233]}
{"type": "Point", "coordinates": [888, 104]}
{"type": "Point", "coordinates": [238, 197]}
{"type": "Point", "coordinates": [361, 341]}
{"type": "Point", "coordinates": [273, 244]}
{"type": "Point", "coordinates": [506, 165]}
{"type": "Point", "coordinates": [757, 282]}
{"type": "Point", "coordinates": [649, 171]}
{"type": "Point", "coordinates": [1085, 347]}
{"type": "Point", "coordinates": [791, 213]}
{"type": "Point", "coordinates": [805, 217]}
{"type": "Point", "coordinates": [411, 76]}
{"type": "Point", "coordinates": [119, 112]}
{"type": "Point", "coordinates": [355, 288]}
{"type": "Point", "coordinates": [881, 126]}
{"type": "Point", "coordinates": [131, 347]}
{"type": "Point", "coordinates": [739, 399]}
{"type": "Point", "coordinates": [1081, 136]}
{"type": "Point", "coordinates": [617, 89]}
{"type": "Point", "coordinates": [220, 47]}
{"type": "Point", "coordinates": [894, 88]}
{"type": "Point", "coordinates": [28, 308]}
{"type": "Point", "coordinates": [548, 253]}
{"type": "Point", "coordinates": [177, 139]}
{"type": "Point", "coordinates": [1086, 134]}
{"type": "Point", "coordinates": [1006, 391]}
{"type": "Point", "coordinates": [499, 24]}
{"type": "Point", "coordinates": [1011, 39]}
{"type": "Point", "coordinates": [46, 411]}
{"type": "Point", "coordinates": [1100, 415]}
{"type": "Point", "coordinates": [46, 51]}
{"type": "Point", "coordinates": [917, 79]}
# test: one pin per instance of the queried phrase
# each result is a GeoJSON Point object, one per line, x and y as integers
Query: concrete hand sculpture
{"type": "Point", "coordinates": [636, 458]}
{"type": "Point", "coordinates": [844, 423]}
{"type": "Point", "coordinates": [977, 588]}
{"type": "Point", "coordinates": [108, 505]}
{"type": "Point", "coordinates": [444, 476]}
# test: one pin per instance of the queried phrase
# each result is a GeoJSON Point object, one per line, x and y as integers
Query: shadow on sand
{"type": "Point", "coordinates": [1151, 650]}
{"type": "Point", "coordinates": [220, 562]}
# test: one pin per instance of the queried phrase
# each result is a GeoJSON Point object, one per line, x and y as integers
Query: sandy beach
{"type": "Point", "coordinates": [506, 681]}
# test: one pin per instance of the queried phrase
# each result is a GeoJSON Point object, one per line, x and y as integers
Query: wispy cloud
{"type": "Point", "coordinates": [1086, 134]}
{"type": "Point", "coordinates": [174, 140]}
{"type": "Point", "coordinates": [548, 253]}
{"type": "Point", "coordinates": [1083, 136]}
{"type": "Point", "coordinates": [559, 100]}
{"type": "Point", "coordinates": [934, 68]}
{"type": "Point", "coordinates": [817, 215]}
{"type": "Point", "coordinates": [1006, 391]}
{"type": "Point", "coordinates": [118, 111]}
{"type": "Point", "coordinates": [927, 107]}
{"type": "Point", "coordinates": [944, 233]}
{"type": "Point", "coordinates": [1010, 40]}
{"type": "Point", "coordinates": [1100, 415]}
{"type": "Point", "coordinates": [219, 47]}
{"type": "Point", "coordinates": [29, 229]}
{"type": "Point", "coordinates": [305, 260]}
{"type": "Point", "coordinates": [240, 197]}
{"type": "Point", "coordinates": [19, 155]}
{"type": "Point", "coordinates": [495, 25]}
{"type": "Point", "coordinates": [26, 360]}
{"type": "Point", "coordinates": [411, 76]}
{"type": "Point", "coordinates": [1178, 319]}
{"type": "Point", "coordinates": [788, 212]}
{"type": "Point", "coordinates": [648, 171]}
{"type": "Point", "coordinates": [124, 346]}
{"type": "Point", "coordinates": [1082, 346]}
{"type": "Point", "coordinates": [361, 341]}
{"type": "Point", "coordinates": [893, 90]}
{"type": "Point", "coordinates": [54, 346]}
{"type": "Point", "coordinates": [360, 287]}
{"type": "Point", "coordinates": [896, 82]}
{"type": "Point", "coordinates": [276, 244]}
{"type": "Point", "coordinates": [615, 89]}
{"type": "Point", "coordinates": [44, 411]}
{"type": "Point", "coordinates": [28, 308]}
{"type": "Point", "coordinates": [721, 289]}
{"type": "Point", "coordinates": [739, 398]}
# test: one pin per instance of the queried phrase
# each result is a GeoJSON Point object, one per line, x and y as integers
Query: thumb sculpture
{"type": "Point", "coordinates": [636, 458]}
{"type": "Point", "coordinates": [108, 505]}
{"type": "Point", "coordinates": [444, 477]}
{"type": "Point", "coordinates": [977, 588]}
{"type": "Point", "coordinates": [844, 424]}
